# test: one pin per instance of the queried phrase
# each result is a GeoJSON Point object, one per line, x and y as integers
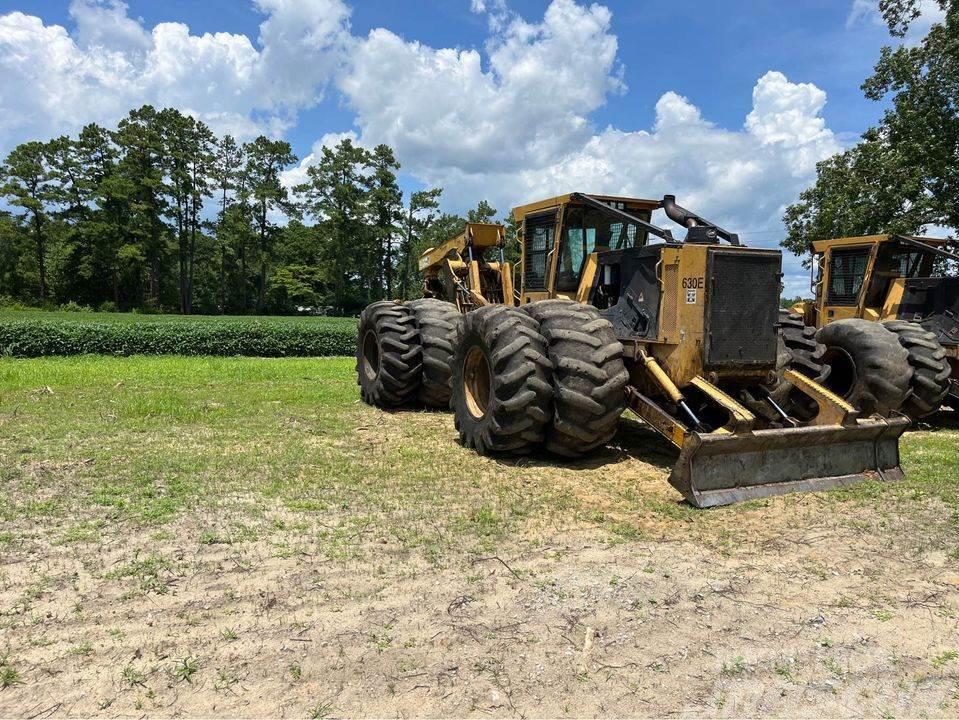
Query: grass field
{"type": "Point", "coordinates": [220, 536]}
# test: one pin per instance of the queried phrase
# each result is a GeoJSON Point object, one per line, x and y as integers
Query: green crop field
{"type": "Point", "coordinates": [9, 314]}
{"type": "Point", "coordinates": [33, 333]}
{"type": "Point", "coordinates": [237, 535]}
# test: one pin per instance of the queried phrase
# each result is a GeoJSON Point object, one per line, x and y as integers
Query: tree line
{"type": "Point", "coordinates": [904, 174]}
{"type": "Point", "coordinates": [159, 214]}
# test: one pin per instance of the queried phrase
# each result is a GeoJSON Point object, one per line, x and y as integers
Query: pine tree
{"type": "Point", "coordinates": [28, 183]}
{"type": "Point", "coordinates": [265, 160]}
{"type": "Point", "coordinates": [385, 206]}
{"type": "Point", "coordinates": [419, 215]}
{"type": "Point", "coordinates": [140, 139]}
{"type": "Point", "coordinates": [335, 194]}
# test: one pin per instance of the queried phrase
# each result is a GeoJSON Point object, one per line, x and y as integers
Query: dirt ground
{"type": "Point", "coordinates": [795, 606]}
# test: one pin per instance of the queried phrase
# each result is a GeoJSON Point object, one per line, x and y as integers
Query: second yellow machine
{"type": "Point", "coordinates": [612, 312]}
{"type": "Point", "coordinates": [887, 310]}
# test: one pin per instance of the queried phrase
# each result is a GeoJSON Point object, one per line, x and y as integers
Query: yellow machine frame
{"type": "Point", "coordinates": [459, 266]}
{"type": "Point", "coordinates": [820, 312]}
{"type": "Point", "coordinates": [741, 459]}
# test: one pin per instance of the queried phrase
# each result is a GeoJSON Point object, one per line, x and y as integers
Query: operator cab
{"type": "Point", "coordinates": [865, 277]}
{"type": "Point", "coordinates": [587, 230]}
{"type": "Point", "coordinates": [563, 234]}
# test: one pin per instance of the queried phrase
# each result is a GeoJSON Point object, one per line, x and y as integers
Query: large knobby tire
{"type": "Point", "coordinates": [868, 366]}
{"type": "Point", "coordinates": [931, 370]}
{"type": "Point", "coordinates": [589, 378]}
{"type": "Point", "coordinates": [501, 382]}
{"type": "Point", "coordinates": [388, 355]}
{"type": "Point", "coordinates": [440, 324]}
{"type": "Point", "coordinates": [798, 350]}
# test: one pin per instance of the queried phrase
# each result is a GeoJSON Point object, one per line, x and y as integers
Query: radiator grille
{"type": "Point", "coordinates": [743, 307]}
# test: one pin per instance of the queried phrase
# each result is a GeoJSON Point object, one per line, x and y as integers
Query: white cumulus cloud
{"type": "Point", "coordinates": [54, 81]}
{"type": "Point", "coordinates": [441, 107]}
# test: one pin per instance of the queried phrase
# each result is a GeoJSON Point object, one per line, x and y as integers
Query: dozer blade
{"type": "Point", "coordinates": [723, 468]}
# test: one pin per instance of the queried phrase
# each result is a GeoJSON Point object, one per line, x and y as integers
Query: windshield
{"type": "Point", "coordinates": [586, 230]}
{"type": "Point", "coordinates": [897, 261]}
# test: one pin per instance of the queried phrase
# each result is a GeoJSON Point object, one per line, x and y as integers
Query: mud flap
{"type": "Point", "coordinates": [722, 468]}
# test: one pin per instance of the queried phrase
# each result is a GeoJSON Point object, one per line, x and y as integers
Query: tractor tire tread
{"type": "Point", "coordinates": [521, 392]}
{"type": "Point", "coordinates": [931, 369]}
{"type": "Point", "coordinates": [883, 374]}
{"type": "Point", "coordinates": [400, 368]}
{"type": "Point", "coordinates": [589, 377]}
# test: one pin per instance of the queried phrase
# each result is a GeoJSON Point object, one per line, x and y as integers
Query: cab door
{"type": "Point", "coordinates": [539, 254]}
{"type": "Point", "coordinates": [844, 284]}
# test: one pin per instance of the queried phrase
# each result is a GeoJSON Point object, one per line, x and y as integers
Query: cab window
{"type": "Point", "coordinates": [896, 261]}
{"type": "Point", "coordinates": [586, 230]}
{"type": "Point", "coordinates": [579, 240]}
{"type": "Point", "coordinates": [847, 268]}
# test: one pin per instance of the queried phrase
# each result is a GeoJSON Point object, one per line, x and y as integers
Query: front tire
{"type": "Point", "coordinates": [931, 370]}
{"type": "Point", "coordinates": [589, 378]}
{"type": "Point", "coordinates": [869, 368]}
{"type": "Point", "coordinates": [501, 382]}
{"type": "Point", "coordinates": [798, 350]}
{"type": "Point", "coordinates": [388, 355]}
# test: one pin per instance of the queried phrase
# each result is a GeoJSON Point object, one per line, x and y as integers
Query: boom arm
{"type": "Point", "coordinates": [915, 242]}
{"type": "Point", "coordinates": [626, 217]}
{"type": "Point", "coordinates": [680, 215]}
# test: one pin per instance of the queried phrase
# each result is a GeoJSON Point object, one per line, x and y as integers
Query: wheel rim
{"type": "Point", "coordinates": [477, 383]}
{"type": "Point", "coordinates": [842, 376]}
{"type": "Point", "coordinates": [371, 355]}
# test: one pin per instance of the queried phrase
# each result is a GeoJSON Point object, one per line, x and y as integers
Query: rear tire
{"type": "Point", "coordinates": [589, 378]}
{"type": "Point", "coordinates": [440, 324]}
{"type": "Point", "coordinates": [868, 366]}
{"type": "Point", "coordinates": [931, 370]}
{"type": "Point", "coordinates": [501, 382]}
{"type": "Point", "coordinates": [388, 355]}
{"type": "Point", "coordinates": [798, 350]}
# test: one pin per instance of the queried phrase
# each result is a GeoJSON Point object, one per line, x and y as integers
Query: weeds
{"type": "Point", "coordinates": [737, 666]}
{"type": "Point", "coordinates": [225, 678]}
{"type": "Point", "coordinates": [83, 649]}
{"type": "Point", "coordinates": [133, 677]}
{"type": "Point", "coordinates": [322, 710]}
{"type": "Point", "coordinates": [944, 657]}
{"type": "Point", "coordinates": [8, 676]}
{"type": "Point", "coordinates": [151, 573]}
{"type": "Point", "coordinates": [185, 669]}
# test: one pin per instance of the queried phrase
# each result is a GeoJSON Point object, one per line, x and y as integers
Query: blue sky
{"type": "Point", "coordinates": [728, 105]}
